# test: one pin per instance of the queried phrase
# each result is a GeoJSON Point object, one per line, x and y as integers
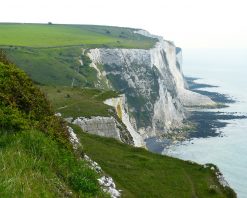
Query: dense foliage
{"type": "Point", "coordinates": [24, 106]}
{"type": "Point", "coordinates": [34, 165]}
{"type": "Point", "coordinates": [36, 157]}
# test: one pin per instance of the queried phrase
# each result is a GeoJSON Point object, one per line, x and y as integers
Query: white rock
{"type": "Point", "coordinates": [86, 158]}
{"type": "Point", "coordinates": [120, 102]}
{"type": "Point", "coordinates": [73, 138]}
{"type": "Point", "coordinates": [168, 110]}
{"type": "Point", "coordinates": [69, 119]}
{"type": "Point", "coordinates": [114, 193]}
{"type": "Point", "coordinates": [103, 126]}
{"type": "Point", "coordinates": [58, 114]}
{"type": "Point", "coordinates": [109, 186]}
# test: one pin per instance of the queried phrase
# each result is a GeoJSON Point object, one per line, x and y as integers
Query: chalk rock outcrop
{"type": "Point", "coordinates": [121, 108]}
{"type": "Point", "coordinates": [153, 84]}
{"type": "Point", "coordinates": [105, 126]}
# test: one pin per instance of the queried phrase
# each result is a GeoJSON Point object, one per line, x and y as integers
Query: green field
{"type": "Point", "coordinates": [44, 35]}
{"type": "Point", "coordinates": [140, 173]}
{"type": "Point", "coordinates": [50, 54]}
{"type": "Point", "coordinates": [76, 102]}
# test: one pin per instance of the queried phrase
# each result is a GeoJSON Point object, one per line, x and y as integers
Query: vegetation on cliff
{"type": "Point", "coordinates": [79, 102]}
{"type": "Point", "coordinates": [50, 53]}
{"type": "Point", "coordinates": [140, 173]}
{"type": "Point", "coordinates": [37, 159]}
{"type": "Point", "coordinates": [24, 106]}
{"type": "Point", "coordinates": [30, 35]}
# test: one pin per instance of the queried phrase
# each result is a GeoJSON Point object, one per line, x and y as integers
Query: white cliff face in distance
{"type": "Point", "coordinates": [187, 97]}
{"type": "Point", "coordinates": [153, 85]}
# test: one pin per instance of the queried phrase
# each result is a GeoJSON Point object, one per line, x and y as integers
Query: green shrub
{"type": "Point", "coordinates": [12, 119]}
{"type": "Point", "coordinates": [34, 165]}
{"type": "Point", "coordinates": [23, 105]}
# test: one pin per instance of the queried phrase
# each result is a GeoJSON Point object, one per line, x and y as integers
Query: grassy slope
{"type": "Point", "coordinates": [140, 173]}
{"type": "Point", "coordinates": [75, 102]}
{"type": "Point", "coordinates": [34, 165]}
{"type": "Point", "coordinates": [36, 156]}
{"type": "Point", "coordinates": [50, 53]}
{"type": "Point", "coordinates": [50, 66]}
{"type": "Point", "coordinates": [43, 35]}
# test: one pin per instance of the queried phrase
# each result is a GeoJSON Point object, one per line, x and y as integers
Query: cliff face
{"type": "Point", "coordinates": [105, 126]}
{"type": "Point", "coordinates": [121, 108]}
{"type": "Point", "coordinates": [153, 85]}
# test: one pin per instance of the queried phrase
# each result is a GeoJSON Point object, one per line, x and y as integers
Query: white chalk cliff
{"type": "Point", "coordinates": [122, 111]}
{"type": "Point", "coordinates": [155, 92]}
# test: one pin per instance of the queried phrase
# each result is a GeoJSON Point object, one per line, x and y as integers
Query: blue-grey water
{"type": "Point", "coordinates": [228, 70]}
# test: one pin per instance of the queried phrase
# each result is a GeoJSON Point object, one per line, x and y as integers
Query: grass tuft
{"type": "Point", "coordinates": [34, 165]}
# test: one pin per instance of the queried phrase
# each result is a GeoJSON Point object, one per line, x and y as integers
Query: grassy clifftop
{"type": "Point", "coordinates": [36, 158]}
{"type": "Point", "coordinates": [45, 35]}
{"type": "Point", "coordinates": [51, 54]}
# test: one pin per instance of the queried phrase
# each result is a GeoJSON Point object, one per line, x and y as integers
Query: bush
{"type": "Point", "coordinates": [22, 105]}
{"type": "Point", "coordinates": [18, 91]}
{"type": "Point", "coordinates": [12, 119]}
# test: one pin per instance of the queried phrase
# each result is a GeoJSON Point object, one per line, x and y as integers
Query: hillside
{"type": "Point", "coordinates": [38, 159]}
{"type": "Point", "coordinates": [36, 162]}
{"type": "Point", "coordinates": [137, 172]}
{"type": "Point", "coordinates": [58, 48]}
{"type": "Point", "coordinates": [51, 54]}
{"type": "Point", "coordinates": [53, 35]}
{"type": "Point", "coordinates": [140, 173]}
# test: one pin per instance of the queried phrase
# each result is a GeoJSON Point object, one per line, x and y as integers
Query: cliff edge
{"type": "Point", "coordinates": [152, 82]}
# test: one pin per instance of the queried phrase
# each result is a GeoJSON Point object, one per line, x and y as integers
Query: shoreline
{"type": "Point", "coordinates": [206, 123]}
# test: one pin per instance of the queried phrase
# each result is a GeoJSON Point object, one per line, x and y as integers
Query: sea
{"type": "Point", "coordinates": [226, 69]}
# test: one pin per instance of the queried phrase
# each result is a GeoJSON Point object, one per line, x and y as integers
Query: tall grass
{"type": "Point", "coordinates": [34, 165]}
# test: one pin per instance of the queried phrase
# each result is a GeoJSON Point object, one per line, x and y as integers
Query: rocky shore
{"type": "Point", "coordinates": [202, 122]}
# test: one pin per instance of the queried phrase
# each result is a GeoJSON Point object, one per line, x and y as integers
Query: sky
{"type": "Point", "coordinates": [189, 23]}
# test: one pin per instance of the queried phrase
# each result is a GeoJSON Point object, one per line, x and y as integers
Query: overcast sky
{"type": "Point", "coordinates": [189, 23]}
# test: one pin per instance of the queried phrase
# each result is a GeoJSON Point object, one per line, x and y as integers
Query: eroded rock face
{"type": "Point", "coordinates": [153, 84]}
{"type": "Point", "coordinates": [121, 108]}
{"type": "Point", "coordinates": [107, 184]}
{"type": "Point", "coordinates": [104, 126]}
